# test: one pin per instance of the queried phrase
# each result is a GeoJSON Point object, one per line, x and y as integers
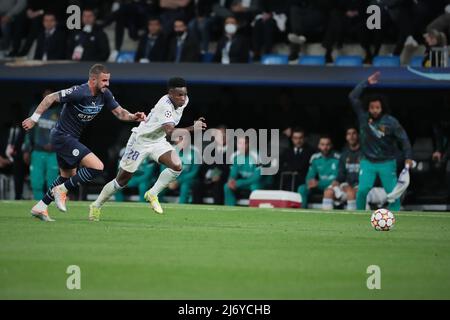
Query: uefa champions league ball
{"type": "Point", "coordinates": [382, 220]}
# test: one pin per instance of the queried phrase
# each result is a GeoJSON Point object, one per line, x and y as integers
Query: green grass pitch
{"type": "Point", "coordinates": [212, 252]}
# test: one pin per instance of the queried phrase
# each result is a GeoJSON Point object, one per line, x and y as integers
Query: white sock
{"type": "Point", "coordinates": [108, 190]}
{"type": "Point", "coordinates": [351, 204]}
{"type": "Point", "coordinates": [41, 206]}
{"type": "Point", "coordinates": [165, 177]}
{"type": "Point", "coordinates": [63, 188]}
{"type": "Point", "coordinates": [327, 204]}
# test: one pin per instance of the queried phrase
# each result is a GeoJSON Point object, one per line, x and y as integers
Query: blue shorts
{"type": "Point", "coordinates": [69, 151]}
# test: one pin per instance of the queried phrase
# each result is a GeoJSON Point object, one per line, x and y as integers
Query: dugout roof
{"type": "Point", "coordinates": [236, 74]}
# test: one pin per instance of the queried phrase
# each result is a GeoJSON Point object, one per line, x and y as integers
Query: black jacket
{"type": "Point", "coordinates": [239, 49]}
{"type": "Point", "coordinates": [95, 44]}
{"type": "Point", "coordinates": [56, 46]}
{"type": "Point", "coordinates": [297, 163]}
{"type": "Point", "coordinates": [190, 51]}
{"type": "Point", "coordinates": [157, 53]}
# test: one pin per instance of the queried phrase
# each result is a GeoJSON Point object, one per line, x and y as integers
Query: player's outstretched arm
{"type": "Point", "coordinates": [29, 123]}
{"type": "Point", "coordinates": [124, 115]}
{"type": "Point", "coordinates": [402, 137]}
{"type": "Point", "coordinates": [199, 124]}
{"type": "Point", "coordinates": [355, 95]}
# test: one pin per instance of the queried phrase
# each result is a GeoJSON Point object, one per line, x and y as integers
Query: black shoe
{"type": "Point", "coordinates": [294, 51]}
{"type": "Point", "coordinates": [368, 60]}
{"type": "Point", "coordinates": [293, 57]}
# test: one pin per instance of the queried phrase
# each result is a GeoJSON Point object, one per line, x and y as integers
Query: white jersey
{"type": "Point", "coordinates": [163, 112]}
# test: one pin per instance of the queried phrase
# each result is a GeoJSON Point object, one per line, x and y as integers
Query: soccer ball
{"type": "Point", "coordinates": [382, 220]}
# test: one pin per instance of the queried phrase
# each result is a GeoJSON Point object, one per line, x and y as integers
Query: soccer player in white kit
{"type": "Point", "coordinates": [149, 140]}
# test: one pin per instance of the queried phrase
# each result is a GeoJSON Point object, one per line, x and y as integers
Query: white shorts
{"type": "Point", "coordinates": [137, 150]}
{"type": "Point", "coordinates": [377, 196]}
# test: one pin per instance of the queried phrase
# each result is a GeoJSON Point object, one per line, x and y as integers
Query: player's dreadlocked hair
{"type": "Point", "coordinates": [378, 97]}
{"type": "Point", "coordinates": [176, 83]}
{"type": "Point", "coordinates": [96, 69]}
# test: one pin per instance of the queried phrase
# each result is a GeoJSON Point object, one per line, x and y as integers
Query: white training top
{"type": "Point", "coordinates": [163, 112]}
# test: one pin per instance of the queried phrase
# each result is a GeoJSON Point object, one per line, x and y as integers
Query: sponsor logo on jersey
{"type": "Point", "coordinates": [379, 131]}
{"type": "Point", "coordinates": [86, 117]}
{"type": "Point", "coordinates": [66, 92]}
{"type": "Point", "coordinates": [76, 152]}
{"type": "Point", "coordinates": [87, 109]}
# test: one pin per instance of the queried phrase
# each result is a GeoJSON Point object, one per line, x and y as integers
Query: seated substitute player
{"type": "Point", "coordinates": [149, 140]}
{"type": "Point", "coordinates": [38, 151]}
{"type": "Point", "coordinates": [380, 134]}
{"type": "Point", "coordinates": [344, 188]}
{"type": "Point", "coordinates": [323, 170]}
{"type": "Point", "coordinates": [142, 179]}
{"type": "Point", "coordinates": [245, 174]}
{"type": "Point", "coordinates": [189, 174]}
{"type": "Point", "coordinates": [81, 104]}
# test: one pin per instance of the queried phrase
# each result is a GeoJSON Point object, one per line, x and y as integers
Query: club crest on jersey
{"type": "Point", "coordinates": [168, 114]}
{"type": "Point", "coordinates": [379, 131]}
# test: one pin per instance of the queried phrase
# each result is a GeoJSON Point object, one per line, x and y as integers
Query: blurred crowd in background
{"type": "Point", "coordinates": [222, 31]}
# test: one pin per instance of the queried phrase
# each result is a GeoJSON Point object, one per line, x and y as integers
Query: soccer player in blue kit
{"type": "Point", "coordinates": [81, 104]}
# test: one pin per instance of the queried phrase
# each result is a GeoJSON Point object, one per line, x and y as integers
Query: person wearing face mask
{"type": "Point", "coordinates": [232, 47]}
{"type": "Point", "coordinates": [184, 46]}
{"type": "Point", "coordinates": [90, 43]}
{"type": "Point", "coordinates": [380, 133]}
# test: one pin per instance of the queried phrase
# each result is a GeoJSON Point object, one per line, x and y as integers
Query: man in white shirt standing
{"type": "Point", "coordinates": [149, 140]}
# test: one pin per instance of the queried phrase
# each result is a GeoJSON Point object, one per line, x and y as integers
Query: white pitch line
{"type": "Point", "coordinates": [234, 209]}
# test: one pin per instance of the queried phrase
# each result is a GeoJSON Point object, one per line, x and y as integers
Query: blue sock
{"type": "Point", "coordinates": [48, 198]}
{"type": "Point", "coordinates": [83, 175]}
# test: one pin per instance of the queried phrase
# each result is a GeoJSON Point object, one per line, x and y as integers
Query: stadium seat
{"type": "Point", "coordinates": [126, 57]}
{"type": "Point", "coordinates": [349, 61]}
{"type": "Point", "coordinates": [311, 60]}
{"type": "Point", "coordinates": [207, 57]}
{"type": "Point", "coordinates": [416, 61]}
{"type": "Point", "coordinates": [274, 59]}
{"type": "Point", "coordinates": [386, 61]}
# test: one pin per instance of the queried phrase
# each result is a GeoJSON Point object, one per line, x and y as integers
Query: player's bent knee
{"type": "Point", "coordinates": [328, 193]}
{"type": "Point", "coordinates": [351, 195]}
{"type": "Point", "coordinates": [99, 166]}
{"type": "Point", "coordinates": [123, 180]}
{"type": "Point", "coordinates": [123, 177]}
{"type": "Point", "coordinates": [68, 173]}
{"type": "Point", "coordinates": [177, 167]}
